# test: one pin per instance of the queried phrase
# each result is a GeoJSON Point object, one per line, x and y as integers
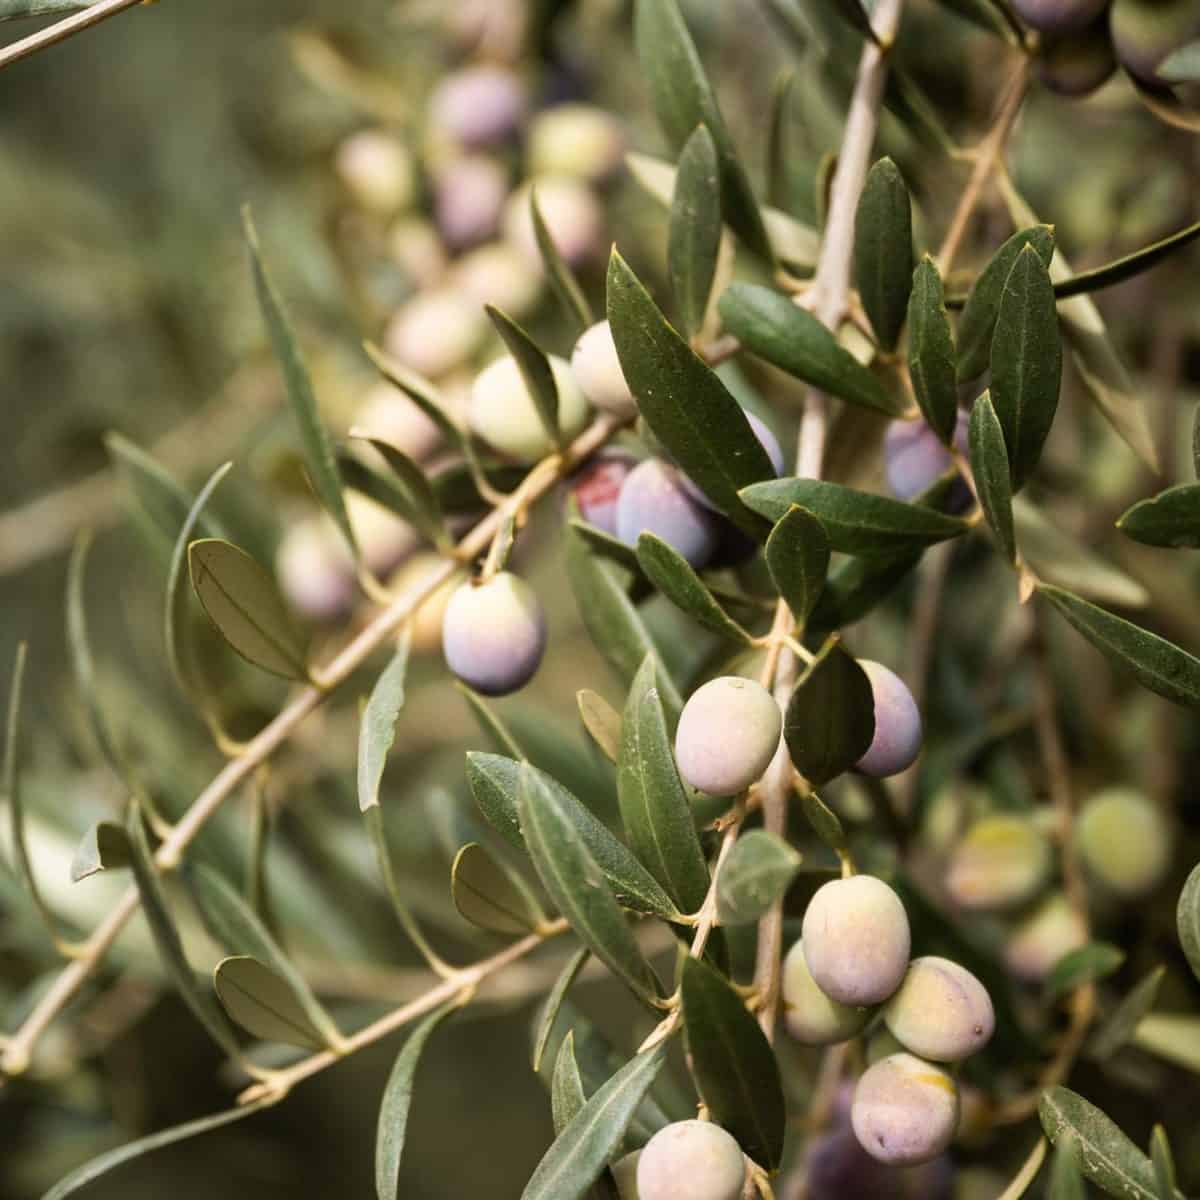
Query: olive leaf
{"type": "Point", "coordinates": [883, 254]}
{"type": "Point", "coordinates": [104, 847]}
{"type": "Point", "coordinates": [757, 872]}
{"type": "Point", "coordinates": [490, 896]}
{"type": "Point", "coordinates": [931, 354]}
{"type": "Point", "coordinates": [1163, 1162]}
{"type": "Point", "coordinates": [1120, 1024]}
{"type": "Point", "coordinates": [989, 466]}
{"type": "Point", "coordinates": [378, 728]}
{"type": "Point", "coordinates": [601, 720]}
{"type": "Point", "coordinates": [1170, 519]}
{"type": "Point", "coordinates": [562, 280]}
{"type": "Point", "coordinates": [695, 229]}
{"type": "Point", "coordinates": [566, 1085]}
{"type": "Point", "coordinates": [534, 366]}
{"type": "Point", "coordinates": [830, 718]}
{"type": "Point", "coordinates": [674, 576]}
{"type": "Point", "coordinates": [1066, 1181]}
{"type": "Point", "coordinates": [1133, 264]}
{"type": "Point", "coordinates": [1187, 919]}
{"type": "Point", "coordinates": [797, 554]}
{"type": "Point", "coordinates": [553, 1003]}
{"type": "Point", "coordinates": [262, 1003]}
{"type": "Point", "coordinates": [1083, 965]}
{"type": "Point", "coordinates": [407, 490]}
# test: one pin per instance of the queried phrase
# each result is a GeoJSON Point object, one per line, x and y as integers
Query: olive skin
{"type": "Point", "coordinates": [838, 1168]}
{"type": "Point", "coordinates": [856, 940]}
{"type": "Point", "coordinates": [941, 1011]}
{"type": "Point", "coordinates": [494, 634]}
{"type": "Point", "coordinates": [653, 499]}
{"type": "Point", "coordinates": [897, 740]}
{"type": "Point", "coordinates": [1144, 32]}
{"type": "Point", "coordinates": [597, 485]}
{"type": "Point", "coordinates": [1076, 64]}
{"type": "Point", "coordinates": [434, 332]}
{"type": "Point", "coordinates": [573, 216]}
{"type": "Point", "coordinates": [315, 570]}
{"type": "Point", "coordinates": [598, 370]}
{"type": "Point", "coordinates": [691, 1160]}
{"type": "Point", "coordinates": [478, 106]}
{"type": "Point", "coordinates": [498, 273]}
{"type": "Point", "coordinates": [1124, 841]}
{"type": "Point", "coordinates": [377, 170]}
{"type": "Point", "coordinates": [1058, 16]}
{"type": "Point", "coordinates": [579, 140]}
{"type": "Point", "coordinates": [812, 1018]}
{"type": "Point", "coordinates": [728, 733]}
{"type": "Point", "coordinates": [905, 1110]}
{"type": "Point", "coordinates": [1002, 862]}
{"type": "Point", "coordinates": [469, 195]}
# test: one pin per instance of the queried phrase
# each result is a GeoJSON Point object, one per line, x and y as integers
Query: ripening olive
{"type": "Point", "coordinates": [416, 248]}
{"type": "Point", "coordinates": [384, 539]}
{"type": "Point", "coordinates": [494, 634]}
{"type": "Point", "coordinates": [653, 499]}
{"type": "Point", "coordinates": [427, 623]}
{"type": "Point", "coordinates": [315, 570]}
{"type": "Point", "coordinates": [691, 1160]}
{"type": "Point", "coordinates": [469, 194]}
{"type": "Point", "coordinates": [1053, 929]}
{"type": "Point", "coordinates": [1124, 841]}
{"type": "Point", "coordinates": [941, 1011]}
{"type": "Point", "coordinates": [1059, 16]}
{"type": "Point", "coordinates": [575, 139]}
{"type": "Point", "coordinates": [436, 331]}
{"type": "Point", "coordinates": [1001, 862]}
{"type": "Point", "coordinates": [597, 485]}
{"type": "Point", "coordinates": [377, 170]}
{"type": "Point", "coordinates": [596, 366]}
{"type": "Point", "coordinates": [571, 212]}
{"type": "Point", "coordinates": [478, 106]}
{"type": "Point", "coordinates": [905, 1110]}
{"type": "Point", "coordinates": [897, 740]}
{"type": "Point", "coordinates": [856, 940]}
{"type": "Point", "coordinates": [386, 413]}
{"type": "Point", "coordinates": [838, 1168]}
{"type": "Point", "coordinates": [498, 273]}
{"type": "Point", "coordinates": [1077, 63]}
{"type": "Point", "coordinates": [812, 1017]}
{"type": "Point", "coordinates": [728, 732]}
{"type": "Point", "coordinates": [1144, 32]}
{"type": "Point", "coordinates": [502, 412]}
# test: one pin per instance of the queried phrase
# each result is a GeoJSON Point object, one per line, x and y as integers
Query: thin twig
{"type": "Point", "coordinates": [61, 30]}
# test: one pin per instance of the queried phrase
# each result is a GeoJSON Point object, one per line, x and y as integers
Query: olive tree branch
{"type": "Point", "coordinates": [61, 30]}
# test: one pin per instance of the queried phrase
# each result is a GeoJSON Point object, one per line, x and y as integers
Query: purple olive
{"type": "Point", "coordinates": [654, 500]}
{"type": "Point", "coordinates": [478, 106]}
{"type": "Point", "coordinates": [941, 1011]}
{"type": "Point", "coordinates": [494, 634]}
{"type": "Point", "coordinates": [1059, 16]}
{"type": "Point", "coordinates": [469, 195]}
{"type": "Point", "coordinates": [838, 1168]}
{"type": "Point", "coordinates": [1144, 32]}
{"type": "Point", "coordinates": [914, 457]}
{"type": "Point", "coordinates": [597, 485]}
{"type": "Point", "coordinates": [1077, 63]}
{"type": "Point", "coordinates": [691, 1160]}
{"type": "Point", "coordinates": [728, 733]}
{"type": "Point", "coordinates": [897, 740]}
{"type": "Point", "coordinates": [905, 1110]}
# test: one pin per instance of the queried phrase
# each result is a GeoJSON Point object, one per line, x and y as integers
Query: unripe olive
{"type": "Point", "coordinates": [1053, 929]}
{"type": "Point", "coordinates": [384, 539]}
{"type": "Point", "coordinates": [1001, 862]}
{"type": "Point", "coordinates": [1144, 32]}
{"type": "Point", "coordinates": [469, 194]}
{"type": "Point", "coordinates": [377, 170]}
{"type": "Point", "coordinates": [436, 331]}
{"type": "Point", "coordinates": [415, 247]}
{"type": "Point", "coordinates": [575, 139]}
{"type": "Point", "coordinates": [728, 732]}
{"type": "Point", "coordinates": [596, 366]}
{"type": "Point", "coordinates": [315, 570]}
{"type": "Point", "coordinates": [385, 412]}
{"type": "Point", "coordinates": [838, 1168]}
{"type": "Point", "coordinates": [691, 1160]}
{"type": "Point", "coordinates": [1124, 841]}
{"type": "Point", "coordinates": [812, 1017]}
{"type": "Point", "coordinates": [478, 106]}
{"type": "Point", "coordinates": [498, 273]}
{"type": "Point", "coordinates": [897, 740]}
{"type": "Point", "coordinates": [624, 1173]}
{"type": "Point", "coordinates": [1077, 63]}
{"type": "Point", "coordinates": [905, 1110]}
{"type": "Point", "coordinates": [572, 215]}
{"type": "Point", "coordinates": [494, 634]}
{"type": "Point", "coordinates": [597, 485]}
{"type": "Point", "coordinates": [856, 940]}
{"type": "Point", "coordinates": [941, 1012]}
{"type": "Point", "coordinates": [426, 625]}
{"type": "Point", "coordinates": [653, 499]}
{"type": "Point", "coordinates": [1058, 16]}
{"type": "Point", "coordinates": [502, 412]}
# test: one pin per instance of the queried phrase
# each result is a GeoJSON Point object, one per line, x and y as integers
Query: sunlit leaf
{"type": "Point", "coordinates": [758, 871]}
{"type": "Point", "coordinates": [695, 229]}
{"type": "Point", "coordinates": [377, 729]}
{"type": "Point", "coordinates": [263, 1004]}
{"type": "Point", "coordinates": [601, 720]}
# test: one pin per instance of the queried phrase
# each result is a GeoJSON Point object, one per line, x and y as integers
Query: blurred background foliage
{"type": "Point", "coordinates": [126, 305]}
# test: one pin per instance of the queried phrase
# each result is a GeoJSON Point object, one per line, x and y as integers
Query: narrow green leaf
{"type": "Point", "coordinates": [535, 370]}
{"type": "Point", "coordinates": [797, 554]}
{"type": "Point", "coordinates": [683, 98]}
{"type": "Point", "coordinates": [421, 505]}
{"type": "Point", "coordinates": [601, 720]}
{"type": "Point", "coordinates": [989, 466]}
{"type": "Point", "coordinates": [607, 546]}
{"type": "Point", "coordinates": [855, 522]}
{"type": "Point", "coordinates": [566, 1086]}
{"type": "Point", "coordinates": [243, 602]}
{"type": "Point", "coordinates": [495, 784]}
{"type": "Point", "coordinates": [883, 253]}
{"type": "Point", "coordinates": [166, 937]}
{"type": "Point", "coordinates": [674, 576]}
{"type": "Point", "coordinates": [110, 1159]}
{"type": "Point", "coordinates": [1196, 441]}
{"type": "Point", "coordinates": [1026, 362]}
{"type": "Point", "coordinates": [1174, 1037]}
{"type": "Point", "coordinates": [1163, 1162]}
{"type": "Point", "coordinates": [576, 884]}
{"type": "Point", "coordinates": [823, 820]}
{"type": "Point", "coordinates": [758, 871]}
{"type": "Point", "coordinates": [314, 438]}
{"type": "Point", "coordinates": [488, 896]}
{"type": "Point", "coordinates": [1171, 519]}
{"type": "Point", "coordinates": [779, 181]}
{"type": "Point", "coordinates": [931, 353]}
{"type": "Point", "coordinates": [581, 1151]}
{"type": "Point", "coordinates": [561, 278]}
{"type": "Point", "coordinates": [377, 730]}
{"type": "Point", "coordinates": [769, 325]}
{"type": "Point", "coordinates": [654, 805]}
{"type": "Point", "coordinates": [263, 1004]}
{"type": "Point", "coordinates": [1133, 264]}
{"type": "Point", "coordinates": [830, 719]}
{"type": "Point", "coordinates": [612, 621]}
{"type": "Point", "coordinates": [695, 228]}
{"type": "Point", "coordinates": [1083, 965]}
{"type": "Point", "coordinates": [12, 10]}
{"type": "Point", "coordinates": [684, 402]}
{"type": "Point", "coordinates": [983, 303]}
{"type": "Point", "coordinates": [103, 848]}
{"type": "Point", "coordinates": [549, 1011]}
{"type": "Point", "coordinates": [1066, 1182]}
{"type": "Point", "coordinates": [1154, 662]}
{"type": "Point", "coordinates": [1106, 1156]}
{"type": "Point", "coordinates": [397, 1100]}
{"type": "Point", "coordinates": [1119, 1027]}
{"type": "Point", "coordinates": [733, 1064]}
{"type": "Point", "coordinates": [237, 927]}
{"type": "Point", "coordinates": [490, 722]}
{"type": "Point", "coordinates": [1187, 919]}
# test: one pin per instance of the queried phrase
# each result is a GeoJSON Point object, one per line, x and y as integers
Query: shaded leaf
{"type": "Point", "coordinates": [858, 585]}
{"type": "Point", "coordinates": [695, 229]}
{"type": "Point", "coordinates": [758, 871]}
{"type": "Point", "coordinates": [488, 896]}
{"type": "Point", "coordinates": [830, 718]}
{"type": "Point", "coordinates": [931, 354]}
{"type": "Point", "coordinates": [1082, 965]}
{"type": "Point", "coordinates": [264, 1005]}
{"type": "Point", "coordinates": [1141, 260]}
{"type": "Point", "coordinates": [674, 576]}
{"type": "Point", "coordinates": [1119, 1027]}
{"type": "Point", "coordinates": [104, 847]}
{"type": "Point", "coordinates": [883, 254]}
{"type": "Point", "coordinates": [797, 554]}
{"type": "Point", "coordinates": [377, 730]}
{"type": "Point", "coordinates": [553, 1003]}
{"type": "Point", "coordinates": [535, 370]}
{"type": "Point", "coordinates": [769, 325]}
{"type": "Point", "coordinates": [566, 1087]}
{"type": "Point", "coordinates": [561, 278]}
{"type": "Point", "coordinates": [419, 503]}
{"type": "Point", "coordinates": [602, 722]}
{"type": "Point", "coordinates": [243, 602]}
{"type": "Point", "coordinates": [989, 466]}
{"type": "Point", "coordinates": [1187, 919]}
{"type": "Point", "coordinates": [1174, 1037]}
{"type": "Point", "coordinates": [1171, 519]}
{"type": "Point", "coordinates": [823, 820]}
{"type": "Point", "coordinates": [733, 1064]}
{"type": "Point", "coordinates": [1066, 1182]}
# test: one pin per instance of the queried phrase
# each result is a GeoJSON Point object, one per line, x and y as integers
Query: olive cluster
{"type": "Point", "coordinates": [1085, 40]}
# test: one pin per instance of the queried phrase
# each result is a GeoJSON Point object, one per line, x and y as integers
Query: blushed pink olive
{"type": "Point", "coordinates": [941, 1012]}
{"type": "Point", "coordinates": [377, 170]}
{"type": "Point", "coordinates": [478, 106]}
{"type": "Point", "coordinates": [838, 1168]}
{"type": "Point", "coordinates": [897, 740]}
{"type": "Point", "coordinates": [434, 332]}
{"type": "Point", "coordinates": [498, 273]}
{"type": "Point", "coordinates": [1001, 862]}
{"type": "Point", "coordinates": [1077, 63]}
{"type": "Point", "coordinates": [1144, 32]}
{"type": "Point", "coordinates": [905, 1110]}
{"type": "Point", "coordinates": [812, 1017]}
{"type": "Point", "coordinates": [728, 732]}
{"type": "Point", "coordinates": [494, 634]}
{"type": "Point", "coordinates": [597, 485]}
{"type": "Point", "coordinates": [1124, 841]}
{"type": "Point", "coordinates": [469, 194]}
{"type": "Point", "coordinates": [691, 1160]}
{"type": "Point", "coordinates": [856, 940]}
{"type": "Point", "coordinates": [386, 413]}
{"type": "Point", "coordinates": [1053, 929]}
{"type": "Point", "coordinates": [573, 217]}
{"type": "Point", "coordinates": [596, 366]}
{"type": "Point", "coordinates": [1059, 16]}
{"type": "Point", "coordinates": [653, 499]}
